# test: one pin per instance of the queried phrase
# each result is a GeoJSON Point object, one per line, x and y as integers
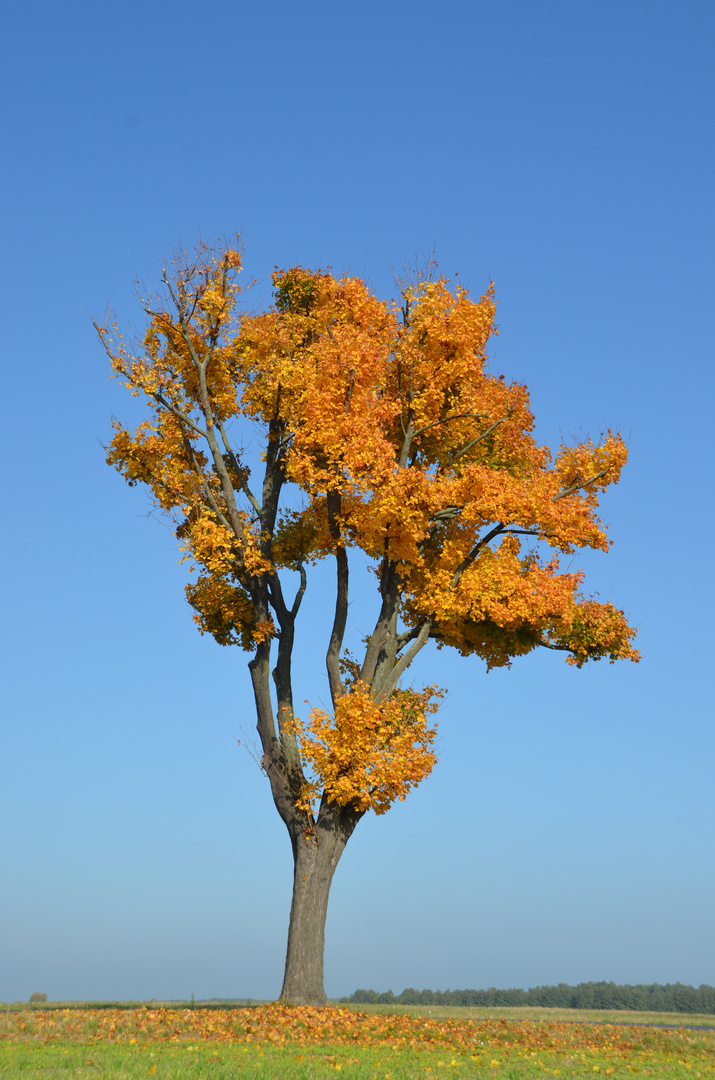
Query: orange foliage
{"type": "Point", "coordinates": [368, 754]}
{"type": "Point", "coordinates": [385, 422]}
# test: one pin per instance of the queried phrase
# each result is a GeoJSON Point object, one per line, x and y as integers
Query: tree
{"type": "Point", "coordinates": [381, 430]}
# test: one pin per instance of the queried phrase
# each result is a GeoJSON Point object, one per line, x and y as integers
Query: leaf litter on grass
{"type": "Point", "coordinates": [306, 1041]}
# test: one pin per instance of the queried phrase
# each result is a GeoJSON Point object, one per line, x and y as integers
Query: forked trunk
{"type": "Point", "coordinates": [316, 855]}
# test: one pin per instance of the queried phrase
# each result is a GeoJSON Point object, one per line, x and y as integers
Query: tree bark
{"type": "Point", "coordinates": [316, 854]}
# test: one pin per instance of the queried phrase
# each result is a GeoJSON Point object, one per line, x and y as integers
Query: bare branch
{"type": "Point", "coordinates": [102, 330]}
{"type": "Point", "coordinates": [172, 294]}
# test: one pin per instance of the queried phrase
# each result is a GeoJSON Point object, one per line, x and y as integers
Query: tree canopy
{"type": "Point", "coordinates": [381, 429]}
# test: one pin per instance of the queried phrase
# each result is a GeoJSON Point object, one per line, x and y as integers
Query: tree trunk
{"type": "Point", "coordinates": [316, 855]}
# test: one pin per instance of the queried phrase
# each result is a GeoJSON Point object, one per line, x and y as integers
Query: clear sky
{"type": "Point", "coordinates": [566, 151]}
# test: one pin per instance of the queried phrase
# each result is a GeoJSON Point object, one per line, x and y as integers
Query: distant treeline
{"type": "Point", "coordinates": [673, 997]}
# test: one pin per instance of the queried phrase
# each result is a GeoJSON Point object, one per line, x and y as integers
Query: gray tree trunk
{"type": "Point", "coordinates": [315, 855]}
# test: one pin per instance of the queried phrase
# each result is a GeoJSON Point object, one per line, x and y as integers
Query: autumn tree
{"type": "Point", "coordinates": [381, 431]}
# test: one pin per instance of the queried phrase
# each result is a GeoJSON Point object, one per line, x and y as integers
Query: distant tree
{"type": "Point", "coordinates": [686, 998]}
{"type": "Point", "coordinates": [655, 998]}
{"type": "Point", "coordinates": [381, 431]}
{"type": "Point", "coordinates": [410, 996]}
{"type": "Point", "coordinates": [37, 999]}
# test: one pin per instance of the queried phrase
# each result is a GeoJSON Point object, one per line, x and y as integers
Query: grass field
{"type": "Point", "coordinates": [532, 1012]}
{"type": "Point", "coordinates": [273, 1041]}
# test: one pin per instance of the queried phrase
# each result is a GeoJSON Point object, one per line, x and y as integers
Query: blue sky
{"type": "Point", "coordinates": [564, 150]}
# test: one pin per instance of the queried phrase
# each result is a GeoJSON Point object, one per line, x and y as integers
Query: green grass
{"type": "Point", "coordinates": [206, 1062]}
{"type": "Point", "coordinates": [533, 1012]}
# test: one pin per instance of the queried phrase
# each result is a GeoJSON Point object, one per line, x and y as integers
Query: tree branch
{"type": "Point", "coordinates": [184, 324]}
{"type": "Point", "coordinates": [579, 484]}
{"type": "Point", "coordinates": [155, 394]}
{"type": "Point", "coordinates": [273, 477]}
{"type": "Point", "coordinates": [407, 636]}
{"type": "Point", "coordinates": [484, 435]}
{"type": "Point", "coordinates": [411, 434]}
{"type": "Point", "coordinates": [177, 412]}
{"type": "Point", "coordinates": [184, 420]}
{"type": "Point", "coordinates": [285, 755]}
{"type": "Point", "coordinates": [274, 759]}
{"type": "Point", "coordinates": [332, 660]}
{"type": "Point", "coordinates": [447, 513]}
{"type": "Point", "coordinates": [379, 646]}
{"type": "Point", "coordinates": [446, 419]}
{"type": "Point", "coordinates": [301, 590]}
{"type": "Point", "coordinates": [496, 531]}
{"type": "Point", "coordinates": [548, 645]}
{"type": "Point", "coordinates": [219, 463]}
{"type": "Point", "coordinates": [408, 433]}
{"type": "Point", "coordinates": [276, 599]}
{"type": "Point", "coordinates": [404, 662]}
{"type": "Point", "coordinates": [206, 486]}
{"type": "Point", "coordinates": [177, 304]}
{"type": "Point", "coordinates": [239, 470]}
